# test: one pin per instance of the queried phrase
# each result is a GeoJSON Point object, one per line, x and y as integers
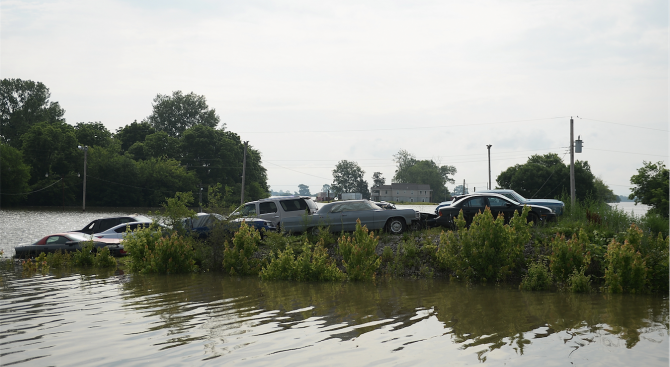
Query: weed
{"type": "Point", "coordinates": [149, 252]}
{"type": "Point", "coordinates": [59, 259]}
{"type": "Point", "coordinates": [238, 258]}
{"type": "Point", "coordinates": [358, 253]}
{"type": "Point", "coordinates": [568, 255]}
{"type": "Point", "coordinates": [537, 279]}
{"type": "Point", "coordinates": [387, 254]}
{"type": "Point", "coordinates": [311, 264]}
{"type": "Point", "coordinates": [85, 256]}
{"type": "Point", "coordinates": [104, 259]}
{"type": "Point", "coordinates": [626, 270]}
{"type": "Point", "coordinates": [578, 282]}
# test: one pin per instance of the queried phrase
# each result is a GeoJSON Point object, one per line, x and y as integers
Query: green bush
{"type": "Point", "coordinates": [59, 259]}
{"type": "Point", "coordinates": [85, 256]}
{"type": "Point", "coordinates": [238, 259]}
{"type": "Point", "coordinates": [149, 252]}
{"type": "Point", "coordinates": [626, 270]}
{"type": "Point", "coordinates": [654, 223]}
{"type": "Point", "coordinates": [537, 279]}
{"type": "Point", "coordinates": [104, 259]}
{"type": "Point", "coordinates": [568, 255]}
{"type": "Point", "coordinates": [387, 254]}
{"type": "Point", "coordinates": [578, 282]}
{"type": "Point", "coordinates": [310, 265]}
{"type": "Point", "coordinates": [488, 250]}
{"type": "Point", "coordinates": [358, 253]}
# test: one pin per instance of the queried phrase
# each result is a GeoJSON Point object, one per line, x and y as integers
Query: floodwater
{"type": "Point", "coordinates": [108, 318]}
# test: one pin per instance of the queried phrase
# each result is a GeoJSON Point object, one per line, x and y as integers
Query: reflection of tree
{"type": "Point", "coordinates": [225, 313]}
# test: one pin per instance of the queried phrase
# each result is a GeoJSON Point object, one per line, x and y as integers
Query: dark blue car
{"type": "Point", "coordinates": [203, 223]}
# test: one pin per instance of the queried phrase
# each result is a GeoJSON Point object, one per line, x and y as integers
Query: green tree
{"type": "Point", "coordinates": [378, 179]}
{"type": "Point", "coordinates": [50, 148]}
{"type": "Point", "coordinates": [651, 187]}
{"type": "Point", "coordinates": [133, 133]}
{"type": "Point", "coordinates": [14, 175]}
{"type": "Point", "coordinates": [178, 112]}
{"type": "Point", "coordinates": [427, 172]}
{"type": "Point", "coordinates": [24, 103]}
{"type": "Point", "coordinates": [303, 190]}
{"type": "Point", "coordinates": [92, 134]}
{"type": "Point", "coordinates": [160, 144]}
{"type": "Point", "coordinates": [348, 177]}
{"type": "Point", "coordinates": [603, 192]}
{"type": "Point", "coordinates": [546, 176]}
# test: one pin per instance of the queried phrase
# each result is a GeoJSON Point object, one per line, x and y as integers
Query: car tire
{"type": "Point", "coordinates": [395, 226]}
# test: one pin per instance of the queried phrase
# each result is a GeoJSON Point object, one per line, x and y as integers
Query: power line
{"type": "Point", "coordinates": [32, 192]}
{"type": "Point", "coordinates": [618, 123]}
{"type": "Point", "coordinates": [618, 151]}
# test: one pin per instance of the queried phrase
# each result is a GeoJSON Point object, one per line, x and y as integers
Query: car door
{"type": "Point", "coordinates": [501, 206]}
{"type": "Point", "coordinates": [354, 211]}
{"type": "Point", "coordinates": [333, 219]}
{"type": "Point", "coordinates": [472, 207]}
{"type": "Point", "coordinates": [268, 211]}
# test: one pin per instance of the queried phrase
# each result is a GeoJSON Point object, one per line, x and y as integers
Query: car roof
{"type": "Point", "coordinates": [275, 198]}
{"type": "Point", "coordinates": [493, 194]}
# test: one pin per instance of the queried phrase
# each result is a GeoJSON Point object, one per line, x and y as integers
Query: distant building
{"type": "Point", "coordinates": [411, 193]}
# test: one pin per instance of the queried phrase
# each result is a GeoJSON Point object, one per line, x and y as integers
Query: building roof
{"type": "Point", "coordinates": [404, 186]}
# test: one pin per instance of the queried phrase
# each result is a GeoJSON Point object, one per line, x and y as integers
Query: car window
{"type": "Point", "coordinates": [249, 210]}
{"type": "Point", "coordinates": [497, 202]}
{"type": "Point", "coordinates": [360, 206]}
{"type": "Point", "coordinates": [53, 240]}
{"type": "Point", "coordinates": [266, 208]}
{"type": "Point", "coordinates": [337, 208]}
{"type": "Point", "coordinates": [106, 224]}
{"type": "Point", "coordinates": [474, 203]}
{"type": "Point", "coordinates": [293, 205]}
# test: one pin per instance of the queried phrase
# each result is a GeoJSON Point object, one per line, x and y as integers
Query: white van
{"type": "Point", "coordinates": [277, 208]}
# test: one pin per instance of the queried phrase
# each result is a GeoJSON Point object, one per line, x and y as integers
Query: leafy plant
{"type": "Point", "coordinates": [149, 252]}
{"type": "Point", "coordinates": [312, 264]}
{"type": "Point", "coordinates": [578, 282]}
{"type": "Point", "coordinates": [537, 279]}
{"type": "Point", "coordinates": [358, 253]}
{"type": "Point", "coordinates": [85, 256]}
{"type": "Point", "coordinates": [568, 255]}
{"type": "Point", "coordinates": [104, 259]}
{"type": "Point", "coordinates": [626, 270]}
{"type": "Point", "coordinates": [238, 259]}
{"type": "Point", "coordinates": [59, 259]}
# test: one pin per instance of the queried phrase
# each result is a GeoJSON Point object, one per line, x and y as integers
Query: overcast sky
{"type": "Point", "coordinates": [309, 83]}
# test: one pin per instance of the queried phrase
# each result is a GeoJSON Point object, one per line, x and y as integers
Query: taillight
{"type": "Point", "coordinates": [439, 214]}
{"type": "Point", "coordinates": [99, 236]}
{"type": "Point", "coordinates": [122, 252]}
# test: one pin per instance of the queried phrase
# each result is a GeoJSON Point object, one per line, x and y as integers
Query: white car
{"type": "Point", "coordinates": [277, 208]}
{"type": "Point", "coordinates": [120, 230]}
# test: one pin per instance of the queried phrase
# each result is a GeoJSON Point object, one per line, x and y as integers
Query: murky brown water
{"type": "Point", "coordinates": [109, 318]}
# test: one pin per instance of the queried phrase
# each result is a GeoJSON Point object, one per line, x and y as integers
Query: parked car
{"type": "Point", "coordinates": [556, 206]}
{"type": "Point", "coordinates": [203, 223]}
{"type": "Point", "coordinates": [120, 230]}
{"type": "Point", "coordinates": [277, 209]}
{"type": "Point", "coordinates": [385, 205]}
{"type": "Point", "coordinates": [67, 242]}
{"type": "Point", "coordinates": [103, 224]}
{"type": "Point", "coordinates": [342, 216]}
{"type": "Point", "coordinates": [448, 202]}
{"type": "Point", "coordinates": [475, 203]}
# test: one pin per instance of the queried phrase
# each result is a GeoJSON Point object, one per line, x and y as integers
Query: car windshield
{"type": "Point", "coordinates": [517, 197]}
{"type": "Point", "coordinates": [374, 206]}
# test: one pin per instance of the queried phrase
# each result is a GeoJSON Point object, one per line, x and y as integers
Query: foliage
{"type": "Point", "coordinates": [488, 250]}
{"type": "Point", "coordinates": [311, 265]}
{"type": "Point", "coordinates": [24, 103]}
{"type": "Point", "coordinates": [175, 209]}
{"type": "Point", "coordinates": [578, 282]}
{"type": "Point", "coordinates": [626, 270]}
{"type": "Point", "coordinates": [92, 134]}
{"type": "Point", "coordinates": [603, 193]}
{"type": "Point", "coordinates": [149, 252]}
{"type": "Point", "coordinates": [14, 175]}
{"type": "Point", "coordinates": [303, 190]}
{"type": "Point", "coordinates": [178, 112]}
{"type": "Point", "coordinates": [104, 259]}
{"type": "Point", "coordinates": [50, 148]}
{"type": "Point", "coordinates": [568, 255]}
{"type": "Point", "coordinates": [411, 170]}
{"type": "Point", "coordinates": [348, 177]}
{"type": "Point", "coordinates": [238, 259]}
{"type": "Point", "coordinates": [655, 250]}
{"type": "Point", "coordinates": [59, 259]}
{"type": "Point", "coordinates": [85, 256]}
{"type": "Point", "coordinates": [378, 179]}
{"type": "Point", "coordinates": [546, 176]}
{"type": "Point", "coordinates": [655, 223]}
{"type": "Point", "coordinates": [133, 133]}
{"type": "Point", "coordinates": [651, 187]}
{"type": "Point", "coordinates": [358, 253]}
{"type": "Point", "coordinates": [537, 279]}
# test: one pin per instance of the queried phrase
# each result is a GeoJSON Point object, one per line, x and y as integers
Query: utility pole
{"type": "Point", "coordinates": [244, 169]}
{"type": "Point", "coordinates": [200, 199]}
{"type": "Point", "coordinates": [572, 162]}
{"type": "Point", "coordinates": [489, 149]}
{"type": "Point", "coordinates": [85, 149]}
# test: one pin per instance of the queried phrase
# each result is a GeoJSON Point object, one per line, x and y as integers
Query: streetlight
{"type": "Point", "coordinates": [85, 149]}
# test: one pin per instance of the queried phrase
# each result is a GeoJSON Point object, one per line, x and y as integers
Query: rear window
{"type": "Point", "coordinates": [293, 205]}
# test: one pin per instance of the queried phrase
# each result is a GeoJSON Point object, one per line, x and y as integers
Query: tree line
{"type": "Point", "coordinates": [181, 147]}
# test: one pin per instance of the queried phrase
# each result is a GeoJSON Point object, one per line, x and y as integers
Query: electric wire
{"type": "Point", "coordinates": [32, 192]}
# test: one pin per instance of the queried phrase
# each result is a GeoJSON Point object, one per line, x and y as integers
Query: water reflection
{"type": "Point", "coordinates": [211, 318]}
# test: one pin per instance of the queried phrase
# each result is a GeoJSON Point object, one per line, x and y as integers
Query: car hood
{"type": "Point", "coordinates": [544, 202]}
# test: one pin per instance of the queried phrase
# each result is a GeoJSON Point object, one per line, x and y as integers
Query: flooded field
{"type": "Point", "coordinates": [110, 318]}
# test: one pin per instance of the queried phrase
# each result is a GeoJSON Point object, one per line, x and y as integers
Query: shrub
{"type": "Point", "coordinates": [387, 254]}
{"type": "Point", "coordinates": [656, 258]}
{"type": "Point", "coordinates": [238, 258]}
{"type": "Point", "coordinates": [151, 253]}
{"type": "Point", "coordinates": [578, 282]}
{"type": "Point", "coordinates": [626, 270]}
{"type": "Point", "coordinates": [59, 259]}
{"type": "Point", "coordinates": [104, 259]}
{"type": "Point", "coordinates": [85, 256]}
{"type": "Point", "coordinates": [488, 250]}
{"type": "Point", "coordinates": [309, 265]}
{"type": "Point", "coordinates": [358, 253]}
{"type": "Point", "coordinates": [537, 279]}
{"type": "Point", "coordinates": [569, 255]}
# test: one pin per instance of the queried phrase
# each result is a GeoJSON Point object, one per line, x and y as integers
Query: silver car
{"type": "Point", "coordinates": [342, 216]}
